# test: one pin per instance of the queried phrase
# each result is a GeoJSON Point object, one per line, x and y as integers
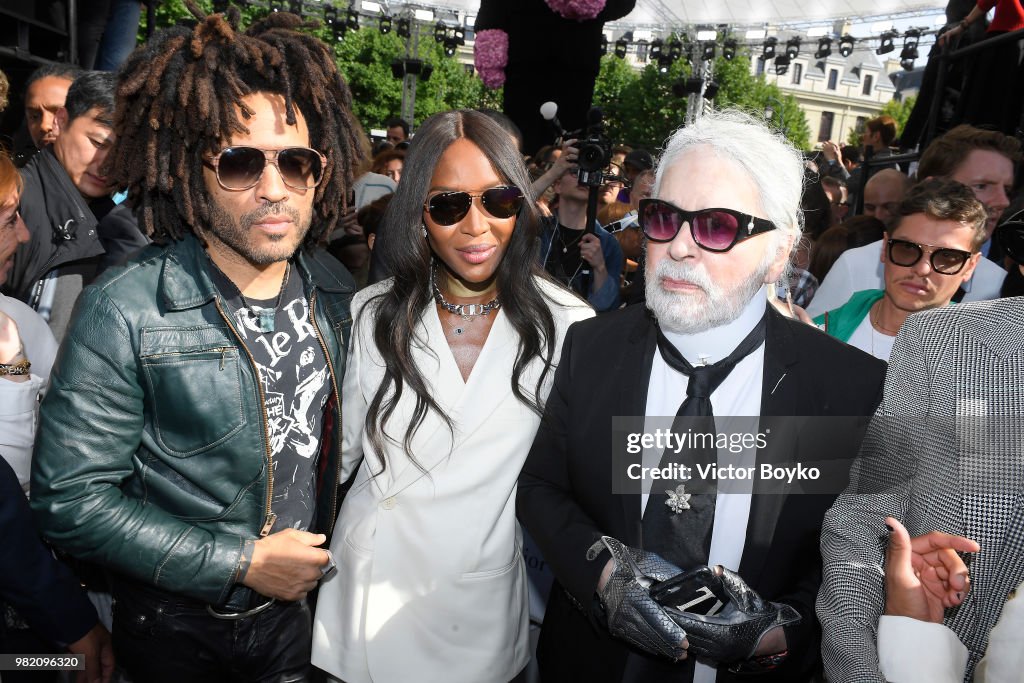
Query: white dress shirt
{"type": "Point", "coordinates": [740, 395]}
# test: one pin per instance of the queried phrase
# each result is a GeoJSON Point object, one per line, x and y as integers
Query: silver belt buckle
{"type": "Point", "coordinates": [234, 616]}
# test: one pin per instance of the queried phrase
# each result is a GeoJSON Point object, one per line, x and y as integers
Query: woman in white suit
{"type": "Point", "coordinates": [449, 364]}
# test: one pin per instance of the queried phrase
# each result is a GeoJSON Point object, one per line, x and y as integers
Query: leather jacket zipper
{"type": "Point", "coordinates": [337, 402]}
{"type": "Point", "coordinates": [270, 517]}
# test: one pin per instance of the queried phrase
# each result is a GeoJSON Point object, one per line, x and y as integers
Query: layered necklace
{"type": "Point", "coordinates": [468, 312]}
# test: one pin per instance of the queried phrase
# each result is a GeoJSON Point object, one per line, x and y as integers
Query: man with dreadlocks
{"type": "Point", "coordinates": [189, 441]}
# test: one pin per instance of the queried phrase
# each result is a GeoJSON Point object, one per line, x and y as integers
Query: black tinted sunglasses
{"type": "Point", "coordinates": [448, 208]}
{"type": "Point", "coordinates": [715, 230]}
{"type": "Point", "coordinates": [1010, 236]}
{"type": "Point", "coordinates": [944, 260]}
{"type": "Point", "coordinates": [240, 168]}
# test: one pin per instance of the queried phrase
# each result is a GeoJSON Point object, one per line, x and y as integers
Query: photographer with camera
{"type": "Point", "coordinates": [575, 249]}
{"type": "Point", "coordinates": [589, 263]}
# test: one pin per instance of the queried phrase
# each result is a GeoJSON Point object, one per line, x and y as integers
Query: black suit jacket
{"type": "Point", "coordinates": [565, 495]}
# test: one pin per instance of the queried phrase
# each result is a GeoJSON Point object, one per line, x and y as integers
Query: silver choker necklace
{"type": "Point", "coordinates": [466, 311]}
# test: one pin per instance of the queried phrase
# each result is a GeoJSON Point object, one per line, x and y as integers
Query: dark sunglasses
{"type": "Point", "coordinates": [240, 168]}
{"type": "Point", "coordinates": [944, 260]}
{"type": "Point", "coordinates": [715, 230]}
{"type": "Point", "coordinates": [1010, 236]}
{"type": "Point", "coordinates": [448, 208]}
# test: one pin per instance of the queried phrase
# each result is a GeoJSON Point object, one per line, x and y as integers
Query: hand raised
{"type": "Point", "coordinates": [924, 575]}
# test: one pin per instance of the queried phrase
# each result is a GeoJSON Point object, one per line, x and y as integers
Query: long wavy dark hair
{"type": "Point", "coordinates": [399, 309]}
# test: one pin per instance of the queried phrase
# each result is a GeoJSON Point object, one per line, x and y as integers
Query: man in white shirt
{"type": "Point", "coordinates": [931, 248]}
{"type": "Point", "coordinates": [983, 160]}
{"type": "Point", "coordinates": [720, 226]}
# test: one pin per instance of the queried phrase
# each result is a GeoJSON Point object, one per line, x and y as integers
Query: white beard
{"type": "Point", "coordinates": [712, 306]}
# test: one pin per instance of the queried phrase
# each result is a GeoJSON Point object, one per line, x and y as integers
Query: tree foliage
{"type": "Point", "coordinates": [641, 109]}
{"type": "Point", "coordinates": [898, 110]}
{"type": "Point", "coordinates": [364, 59]}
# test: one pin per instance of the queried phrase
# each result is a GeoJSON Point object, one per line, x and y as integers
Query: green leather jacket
{"type": "Point", "coordinates": [151, 455]}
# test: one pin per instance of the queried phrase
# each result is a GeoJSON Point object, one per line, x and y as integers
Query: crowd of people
{"type": "Point", "coordinates": [279, 403]}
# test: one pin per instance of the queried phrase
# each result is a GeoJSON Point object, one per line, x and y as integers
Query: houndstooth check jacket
{"type": "Point", "coordinates": [946, 452]}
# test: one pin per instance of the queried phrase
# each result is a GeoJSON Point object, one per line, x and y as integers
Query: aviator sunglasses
{"type": "Point", "coordinates": [448, 208]}
{"type": "Point", "coordinates": [240, 168]}
{"type": "Point", "coordinates": [944, 260]}
{"type": "Point", "coordinates": [717, 230]}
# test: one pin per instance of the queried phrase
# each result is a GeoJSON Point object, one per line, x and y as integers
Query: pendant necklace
{"type": "Point", "coordinates": [571, 243]}
{"type": "Point", "coordinates": [265, 317]}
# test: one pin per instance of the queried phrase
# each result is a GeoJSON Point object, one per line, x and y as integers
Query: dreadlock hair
{"type": "Point", "coordinates": [179, 97]}
{"type": "Point", "coordinates": [409, 255]}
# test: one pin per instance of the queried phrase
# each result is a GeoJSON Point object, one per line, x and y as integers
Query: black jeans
{"type": "Point", "coordinates": [160, 637]}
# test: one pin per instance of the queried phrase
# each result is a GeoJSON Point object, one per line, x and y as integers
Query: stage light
{"type": "Point", "coordinates": [729, 50]}
{"type": "Point", "coordinates": [450, 46]}
{"type": "Point", "coordinates": [604, 45]}
{"type": "Point", "coordinates": [459, 34]}
{"type": "Point", "coordinates": [792, 48]}
{"type": "Point", "coordinates": [352, 20]}
{"type": "Point", "coordinates": [654, 52]}
{"type": "Point", "coordinates": [384, 25]}
{"type": "Point", "coordinates": [403, 30]}
{"type": "Point", "coordinates": [768, 50]}
{"type": "Point", "coordinates": [675, 49]}
{"type": "Point", "coordinates": [909, 53]}
{"type": "Point", "coordinates": [440, 32]}
{"type": "Point", "coordinates": [711, 90]}
{"type": "Point", "coordinates": [824, 48]}
{"type": "Point", "coordinates": [708, 51]}
{"type": "Point", "coordinates": [620, 48]}
{"type": "Point", "coordinates": [887, 45]}
{"type": "Point", "coordinates": [781, 65]}
{"type": "Point", "coordinates": [846, 45]}
{"type": "Point", "coordinates": [274, 6]}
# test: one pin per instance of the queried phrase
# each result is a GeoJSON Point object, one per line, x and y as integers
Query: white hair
{"type": "Point", "coordinates": [775, 166]}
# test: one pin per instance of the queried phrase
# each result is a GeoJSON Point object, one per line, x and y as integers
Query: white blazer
{"type": "Point", "coordinates": [431, 584]}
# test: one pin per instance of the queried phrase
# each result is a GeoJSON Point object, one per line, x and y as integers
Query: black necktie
{"type": "Point", "coordinates": [684, 537]}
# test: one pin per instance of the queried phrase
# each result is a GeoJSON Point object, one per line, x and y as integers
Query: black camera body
{"type": "Point", "coordinates": [595, 151]}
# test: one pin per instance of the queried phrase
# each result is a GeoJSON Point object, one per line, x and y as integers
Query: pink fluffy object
{"type": "Point", "coordinates": [490, 56]}
{"type": "Point", "coordinates": [579, 10]}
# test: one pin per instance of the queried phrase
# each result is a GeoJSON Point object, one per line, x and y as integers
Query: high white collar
{"type": "Point", "coordinates": [711, 346]}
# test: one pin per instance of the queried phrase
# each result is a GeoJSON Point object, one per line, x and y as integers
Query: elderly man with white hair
{"type": "Point", "coordinates": [635, 560]}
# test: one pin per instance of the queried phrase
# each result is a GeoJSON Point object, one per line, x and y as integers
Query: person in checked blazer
{"type": "Point", "coordinates": [944, 456]}
{"type": "Point", "coordinates": [450, 364]}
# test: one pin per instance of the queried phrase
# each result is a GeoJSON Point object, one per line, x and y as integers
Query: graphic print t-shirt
{"type": "Point", "coordinates": [296, 384]}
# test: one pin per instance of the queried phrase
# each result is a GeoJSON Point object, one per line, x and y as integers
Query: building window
{"type": "Point", "coordinates": [868, 82]}
{"type": "Point", "coordinates": [833, 79]}
{"type": "Point", "coordinates": [798, 73]}
{"type": "Point", "coordinates": [825, 127]}
{"type": "Point", "coordinates": [862, 122]}
{"type": "Point", "coordinates": [759, 69]}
